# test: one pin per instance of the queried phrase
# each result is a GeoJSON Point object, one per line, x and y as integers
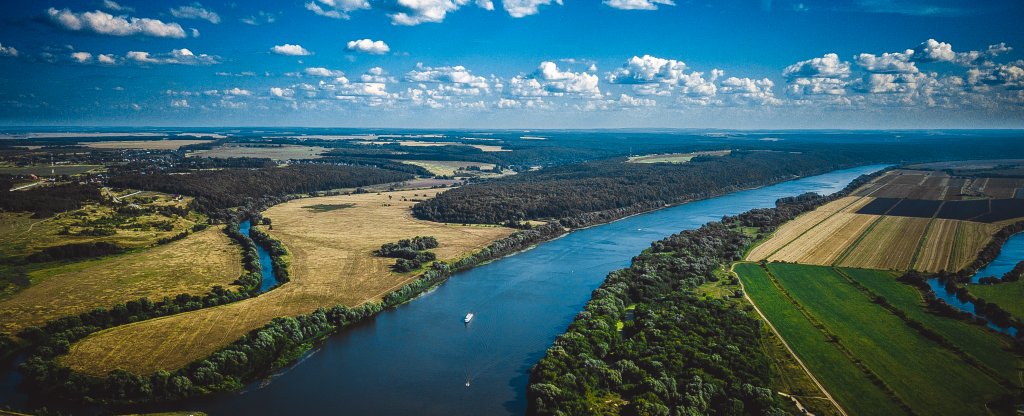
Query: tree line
{"type": "Point", "coordinates": [44, 201]}
{"type": "Point", "coordinates": [220, 189]}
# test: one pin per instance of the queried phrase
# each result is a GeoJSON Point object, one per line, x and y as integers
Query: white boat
{"type": "Point", "coordinates": [469, 317]}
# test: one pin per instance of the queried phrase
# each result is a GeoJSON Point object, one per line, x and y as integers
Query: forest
{"type": "Point", "coordinates": [219, 189]}
{"type": "Point", "coordinates": [675, 353]}
{"type": "Point", "coordinates": [45, 201]}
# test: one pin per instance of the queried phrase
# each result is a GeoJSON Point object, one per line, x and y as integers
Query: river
{"type": "Point", "coordinates": [269, 279]}
{"type": "Point", "coordinates": [419, 357]}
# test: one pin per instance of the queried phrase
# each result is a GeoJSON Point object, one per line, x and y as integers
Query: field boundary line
{"type": "Point", "coordinates": [808, 229]}
{"type": "Point", "coordinates": [922, 243]}
{"type": "Point", "coordinates": [792, 353]}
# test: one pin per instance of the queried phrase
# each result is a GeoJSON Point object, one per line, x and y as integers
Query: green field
{"type": "Point", "coordinates": [843, 336]}
{"type": "Point", "coordinates": [1009, 296]}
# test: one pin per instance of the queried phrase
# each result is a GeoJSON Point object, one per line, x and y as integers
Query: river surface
{"type": "Point", "coordinates": [419, 357]}
{"type": "Point", "coordinates": [1011, 253]}
{"type": "Point", "coordinates": [269, 279]}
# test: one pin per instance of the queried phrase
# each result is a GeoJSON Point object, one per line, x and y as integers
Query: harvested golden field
{"type": "Point", "coordinates": [790, 231]}
{"type": "Point", "coordinates": [447, 167]}
{"type": "Point", "coordinates": [192, 265]}
{"type": "Point", "coordinates": [826, 242]}
{"type": "Point", "coordinates": [970, 238]}
{"type": "Point", "coordinates": [890, 244]}
{"type": "Point", "coordinates": [144, 144]}
{"type": "Point", "coordinates": [332, 263]}
{"type": "Point", "coordinates": [938, 244]}
{"type": "Point", "coordinates": [275, 152]}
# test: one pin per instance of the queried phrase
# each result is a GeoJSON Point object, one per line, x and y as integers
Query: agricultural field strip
{"type": "Point", "coordinates": [889, 245]}
{"type": "Point", "coordinates": [858, 201]}
{"type": "Point", "coordinates": [778, 336]}
{"type": "Point", "coordinates": [828, 240]}
{"type": "Point", "coordinates": [847, 379]}
{"type": "Point", "coordinates": [332, 263]}
{"type": "Point", "coordinates": [885, 345]}
{"type": "Point", "coordinates": [849, 249]}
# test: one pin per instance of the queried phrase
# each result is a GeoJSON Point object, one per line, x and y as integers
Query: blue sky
{"type": "Point", "coordinates": [514, 64]}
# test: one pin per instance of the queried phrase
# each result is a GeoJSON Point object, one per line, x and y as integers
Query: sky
{"type": "Point", "coordinates": [735, 64]}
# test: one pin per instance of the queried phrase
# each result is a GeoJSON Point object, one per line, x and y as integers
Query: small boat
{"type": "Point", "coordinates": [469, 317]}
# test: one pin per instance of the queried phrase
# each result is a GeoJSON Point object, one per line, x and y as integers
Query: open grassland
{"type": "Point", "coordinates": [192, 265]}
{"type": "Point", "coordinates": [889, 244]}
{"type": "Point", "coordinates": [950, 244]}
{"type": "Point", "coordinates": [675, 157]}
{"type": "Point", "coordinates": [22, 235]}
{"type": "Point", "coordinates": [332, 263]}
{"type": "Point", "coordinates": [991, 349]}
{"type": "Point", "coordinates": [841, 377]}
{"type": "Point", "coordinates": [275, 152]}
{"type": "Point", "coordinates": [913, 370]}
{"type": "Point", "coordinates": [144, 144]}
{"type": "Point", "coordinates": [447, 167]}
{"type": "Point", "coordinates": [1009, 296]}
{"type": "Point", "coordinates": [47, 170]}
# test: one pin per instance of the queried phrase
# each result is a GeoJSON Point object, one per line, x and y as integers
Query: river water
{"type": "Point", "coordinates": [269, 280]}
{"type": "Point", "coordinates": [419, 357]}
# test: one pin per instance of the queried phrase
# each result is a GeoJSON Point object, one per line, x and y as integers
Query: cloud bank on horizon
{"type": "Point", "coordinates": [515, 63]}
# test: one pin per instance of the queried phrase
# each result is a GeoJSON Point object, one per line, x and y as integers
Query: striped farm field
{"type": "Point", "coordinates": [890, 244]}
{"type": "Point", "coordinates": [826, 242]}
{"type": "Point", "coordinates": [950, 244]}
{"type": "Point", "coordinates": [794, 229]}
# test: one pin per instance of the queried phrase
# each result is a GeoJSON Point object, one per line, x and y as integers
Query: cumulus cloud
{"type": "Point", "coordinates": [176, 57]}
{"type": "Point", "coordinates": [8, 50]}
{"type": "Point", "coordinates": [648, 69]}
{"type": "Point", "coordinates": [749, 91]}
{"type": "Point", "coordinates": [375, 47]}
{"type": "Point", "coordinates": [888, 63]}
{"type": "Point", "coordinates": [259, 18]}
{"type": "Point", "coordinates": [638, 4]}
{"type": "Point", "coordinates": [324, 72]}
{"type": "Point", "coordinates": [828, 66]}
{"type": "Point", "coordinates": [182, 103]}
{"type": "Point", "coordinates": [81, 57]}
{"type": "Point", "coordinates": [106, 24]}
{"type": "Point", "coordinates": [290, 50]}
{"type": "Point", "coordinates": [523, 8]}
{"type": "Point", "coordinates": [336, 9]}
{"type": "Point", "coordinates": [456, 75]}
{"type": "Point", "coordinates": [196, 11]}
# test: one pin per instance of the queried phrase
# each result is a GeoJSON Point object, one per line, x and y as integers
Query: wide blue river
{"type": "Point", "coordinates": [419, 357]}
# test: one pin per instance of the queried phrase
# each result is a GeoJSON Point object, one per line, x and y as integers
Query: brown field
{"type": "Point", "coordinates": [144, 144]}
{"type": "Point", "coordinates": [891, 244]}
{"type": "Point", "coordinates": [275, 152]}
{"type": "Point", "coordinates": [192, 265]}
{"type": "Point", "coordinates": [332, 263]}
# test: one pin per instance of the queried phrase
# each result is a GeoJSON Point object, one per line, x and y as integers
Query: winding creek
{"type": "Point", "coordinates": [268, 280]}
{"type": "Point", "coordinates": [420, 358]}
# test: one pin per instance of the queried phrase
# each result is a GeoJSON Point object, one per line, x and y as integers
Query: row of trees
{"type": "Point", "coordinates": [219, 189]}
{"type": "Point", "coordinates": [645, 344]}
{"type": "Point", "coordinates": [411, 253]}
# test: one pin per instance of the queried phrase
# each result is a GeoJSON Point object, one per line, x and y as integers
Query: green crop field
{"type": "Point", "coordinates": [1009, 296]}
{"type": "Point", "coordinates": [919, 372]}
{"type": "Point", "coordinates": [834, 369]}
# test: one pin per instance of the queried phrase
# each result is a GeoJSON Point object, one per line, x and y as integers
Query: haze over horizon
{"type": "Point", "coordinates": [530, 64]}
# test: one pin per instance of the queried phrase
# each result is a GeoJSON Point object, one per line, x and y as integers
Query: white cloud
{"type": "Point", "coordinates": [458, 76]}
{"type": "Point", "coordinates": [566, 82]}
{"type": "Point", "coordinates": [106, 59]}
{"type": "Point", "coordinates": [290, 50]}
{"type": "Point", "coordinates": [114, 6]}
{"type": "Point", "coordinates": [259, 18]}
{"type": "Point", "coordinates": [8, 50]}
{"type": "Point", "coordinates": [196, 11]}
{"type": "Point", "coordinates": [81, 57]}
{"type": "Point", "coordinates": [638, 4]}
{"type": "Point", "coordinates": [324, 72]}
{"type": "Point", "coordinates": [376, 47]}
{"type": "Point", "coordinates": [816, 86]}
{"type": "Point", "coordinates": [337, 9]}
{"type": "Point", "coordinates": [106, 24]}
{"type": "Point", "coordinates": [932, 50]}
{"type": "Point", "coordinates": [282, 92]}
{"type": "Point", "coordinates": [177, 56]}
{"type": "Point", "coordinates": [183, 103]}
{"type": "Point", "coordinates": [238, 92]}
{"type": "Point", "coordinates": [629, 101]}
{"type": "Point", "coordinates": [749, 91]}
{"type": "Point", "coordinates": [523, 8]}
{"type": "Point", "coordinates": [648, 69]}
{"type": "Point", "coordinates": [828, 66]}
{"type": "Point", "coordinates": [888, 63]}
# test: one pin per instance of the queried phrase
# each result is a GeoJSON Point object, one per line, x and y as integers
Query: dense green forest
{"type": "Point", "coordinates": [45, 201]}
{"type": "Point", "coordinates": [220, 189]}
{"type": "Point", "coordinates": [645, 344]}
